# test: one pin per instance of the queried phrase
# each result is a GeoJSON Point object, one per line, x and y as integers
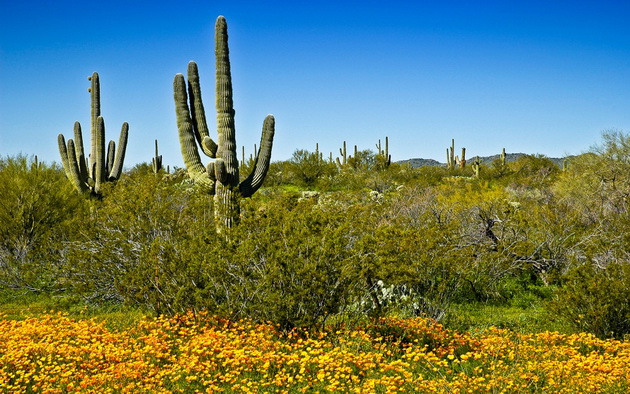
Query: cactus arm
{"type": "Point", "coordinates": [220, 171]}
{"type": "Point", "coordinates": [210, 170]}
{"type": "Point", "coordinates": [63, 152]}
{"type": "Point", "coordinates": [80, 153]}
{"type": "Point", "coordinates": [263, 159]}
{"type": "Point", "coordinates": [187, 142]}
{"type": "Point", "coordinates": [75, 172]}
{"type": "Point", "coordinates": [69, 162]}
{"type": "Point", "coordinates": [198, 114]}
{"type": "Point", "coordinates": [109, 161]}
{"type": "Point", "coordinates": [116, 162]}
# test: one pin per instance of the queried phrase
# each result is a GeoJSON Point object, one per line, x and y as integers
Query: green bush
{"type": "Point", "coordinates": [309, 168]}
{"type": "Point", "coordinates": [286, 263]}
{"type": "Point", "coordinates": [142, 245]}
{"type": "Point", "coordinates": [596, 299]}
{"type": "Point", "coordinates": [39, 213]}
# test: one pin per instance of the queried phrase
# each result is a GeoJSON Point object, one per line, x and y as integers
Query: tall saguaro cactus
{"type": "Point", "coordinates": [101, 167]}
{"type": "Point", "coordinates": [221, 176]}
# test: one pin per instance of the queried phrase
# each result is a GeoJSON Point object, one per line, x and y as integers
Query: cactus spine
{"type": "Point", "coordinates": [221, 176]}
{"type": "Point", "coordinates": [102, 166]}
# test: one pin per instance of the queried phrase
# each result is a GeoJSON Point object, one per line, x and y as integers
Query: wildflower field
{"type": "Point", "coordinates": [53, 353]}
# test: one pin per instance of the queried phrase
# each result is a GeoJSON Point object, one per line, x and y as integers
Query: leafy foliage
{"type": "Point", "coordinates": [38, 212]}
{"type": "Point", "coordinates": [597, 299]}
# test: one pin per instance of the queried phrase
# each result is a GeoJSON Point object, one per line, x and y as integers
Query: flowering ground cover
{"type": "Point", "coordinates": [54, 353]}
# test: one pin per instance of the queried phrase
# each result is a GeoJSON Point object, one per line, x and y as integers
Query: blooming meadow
{"type": "Point", "coordinates": [54, 353]}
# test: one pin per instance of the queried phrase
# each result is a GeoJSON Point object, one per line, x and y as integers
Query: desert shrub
{"type": "Point", "coordinates": [39, 211]}
{"type": "Point", "coordinates": [533, 170]}
{"type": "Point", "coordinates": [142, 245]}
{"type": "Point", "coordinates": [308, 168]}
{"type": "Point", "coordinates": [596, 299]}
{"type": "Point", "coordinates": [279, 174]}
{"type": "Point", "coordinates": [363, 159]}
{"type": "Point", "coordinates": [596, 184]}
{"type": "Point", "coordinates": [286, 263]}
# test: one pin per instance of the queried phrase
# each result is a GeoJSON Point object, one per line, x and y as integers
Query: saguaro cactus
{"type": "Point", "coordinates": [476, 167]}
{"type": "Point", "coordinates": [453, 161]}
{"type": "Point", "coordinates": [221, 176]}
{"type": "Point", "coordinates": [344, 156]}
{"type": "Point", "coordinates": [383, 156]}
{"type": "Point", "coordinates": [101, 168]}
{"type": "Point", "coordinates": [156, 161]}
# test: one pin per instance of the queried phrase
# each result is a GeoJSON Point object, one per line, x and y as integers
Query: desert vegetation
{"type": "Point", "coordinates": [526, 247]}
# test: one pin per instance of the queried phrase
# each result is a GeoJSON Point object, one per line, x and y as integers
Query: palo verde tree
{"type": "Point", "coordinates": [221, 176]}
{"type": "Point", "coordinates": [101, 168]}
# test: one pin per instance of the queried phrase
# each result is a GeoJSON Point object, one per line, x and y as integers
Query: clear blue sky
{"type": "Point", "coordinates": [531, 76]}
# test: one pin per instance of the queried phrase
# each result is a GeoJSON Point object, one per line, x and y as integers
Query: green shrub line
{"type": "Point", "coordinates": [526, 245]}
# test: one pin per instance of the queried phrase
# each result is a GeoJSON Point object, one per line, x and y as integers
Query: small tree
{"type": "Point", "coordinates": [308, 167]}
{"type": "Point", "coordinates": [38, 213]}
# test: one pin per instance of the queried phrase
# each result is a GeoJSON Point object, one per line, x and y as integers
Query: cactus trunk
{"type": "Point", "coordinates": [226, 200]}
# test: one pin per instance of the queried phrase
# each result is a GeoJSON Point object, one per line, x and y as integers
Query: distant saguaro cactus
{"type": "Point", "coordinates": [450, 156]}
{"type": "Point", "coordinates": [101, 168]}
{"type": "Point", "coordinates": [383, 156]}
{"type": "Point", "coordinates": [221, 176]}
{"type": "Point", "coordinates": [156, 161]}
{"type": "Point", "coordinates": [452, 161]}
{"type": "Point", "coordinates": [344, 156]}
{"type": "Point", "coordinates": [476, 167]}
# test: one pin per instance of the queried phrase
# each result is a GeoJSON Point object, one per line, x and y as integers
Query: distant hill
{"type": "Point", "coordinates": [487, 160]}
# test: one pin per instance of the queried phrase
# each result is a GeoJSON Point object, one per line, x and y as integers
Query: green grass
{"type": "Point", "coordinates": [18, 305]}
{"type": "Point", "coordinates": [520, 316]}
{"type": "Point", "coordinates": [480, 316]}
